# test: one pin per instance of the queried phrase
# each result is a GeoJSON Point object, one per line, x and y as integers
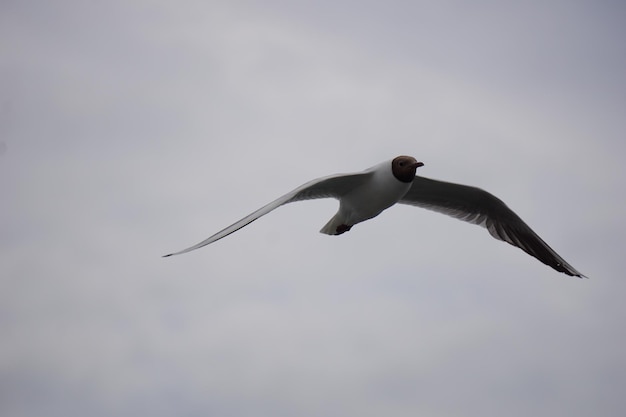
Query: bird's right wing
{"type": "Point", "coordinates": [333, 186]}
{"type": "Point", "coordinates": [477, 206]}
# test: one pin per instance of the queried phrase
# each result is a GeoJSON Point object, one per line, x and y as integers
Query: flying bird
{"type": "Point", "coordinates": [364, 195]}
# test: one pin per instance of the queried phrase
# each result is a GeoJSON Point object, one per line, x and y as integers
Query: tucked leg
{"type": "Point", "coordinates": [342, 228]}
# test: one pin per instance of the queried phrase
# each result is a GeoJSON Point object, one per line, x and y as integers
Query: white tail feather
{"type": "Point", "coordinates": [331, 227]}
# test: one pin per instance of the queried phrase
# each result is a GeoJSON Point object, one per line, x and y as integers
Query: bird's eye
{"type": "Point", "coordinates": [401, 164]}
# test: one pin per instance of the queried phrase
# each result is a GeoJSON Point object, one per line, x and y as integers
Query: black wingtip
{"type": "Point", "coordinates": [573, 273]}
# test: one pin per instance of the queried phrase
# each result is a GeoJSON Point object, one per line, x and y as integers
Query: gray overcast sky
{"type": "Point", "coordinates": [130, 129]}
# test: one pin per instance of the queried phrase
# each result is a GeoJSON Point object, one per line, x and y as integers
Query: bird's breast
{"type": "Point", "coordinates": [370, 199]}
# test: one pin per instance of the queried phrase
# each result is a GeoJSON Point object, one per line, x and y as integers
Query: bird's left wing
{"type": "Point", "coordinates": [477, 206]}
{"type": "Point", "coordinates": [333, 186]}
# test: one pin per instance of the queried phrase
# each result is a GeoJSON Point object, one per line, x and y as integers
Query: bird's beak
{"type": "Point", "coordinates": [418, 164]}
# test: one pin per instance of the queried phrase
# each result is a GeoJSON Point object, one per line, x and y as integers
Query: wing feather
{"type": "Point", "coordinates": [333, 186]}
{"type": "Point", "coordinates": [477, 206]}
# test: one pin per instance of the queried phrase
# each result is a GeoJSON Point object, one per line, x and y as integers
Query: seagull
{"type": "Point", "coordinates": [364, 195]}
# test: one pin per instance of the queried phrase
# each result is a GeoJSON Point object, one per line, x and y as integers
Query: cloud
{"type": "Point", "coordinates": [132, 130]}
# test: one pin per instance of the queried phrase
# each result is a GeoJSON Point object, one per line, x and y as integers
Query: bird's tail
{"type": "Point", "coordinates": [336, 226]}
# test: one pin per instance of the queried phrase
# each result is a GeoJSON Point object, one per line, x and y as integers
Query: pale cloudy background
{"type": "Point", "coordinates": [129, 129]}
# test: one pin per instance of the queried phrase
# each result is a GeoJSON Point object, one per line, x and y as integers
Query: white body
{"type": "Point", "coordinates": [381, 191]}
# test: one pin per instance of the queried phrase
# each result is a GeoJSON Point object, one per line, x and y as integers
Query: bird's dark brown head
{"type": "Point", "coordinates": [404, 167]}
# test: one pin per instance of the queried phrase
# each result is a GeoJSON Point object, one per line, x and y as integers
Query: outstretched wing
{"type": "Point", "coordinates": [333, 186]}
{"type": "Point", "coordinates": [477, 206]}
